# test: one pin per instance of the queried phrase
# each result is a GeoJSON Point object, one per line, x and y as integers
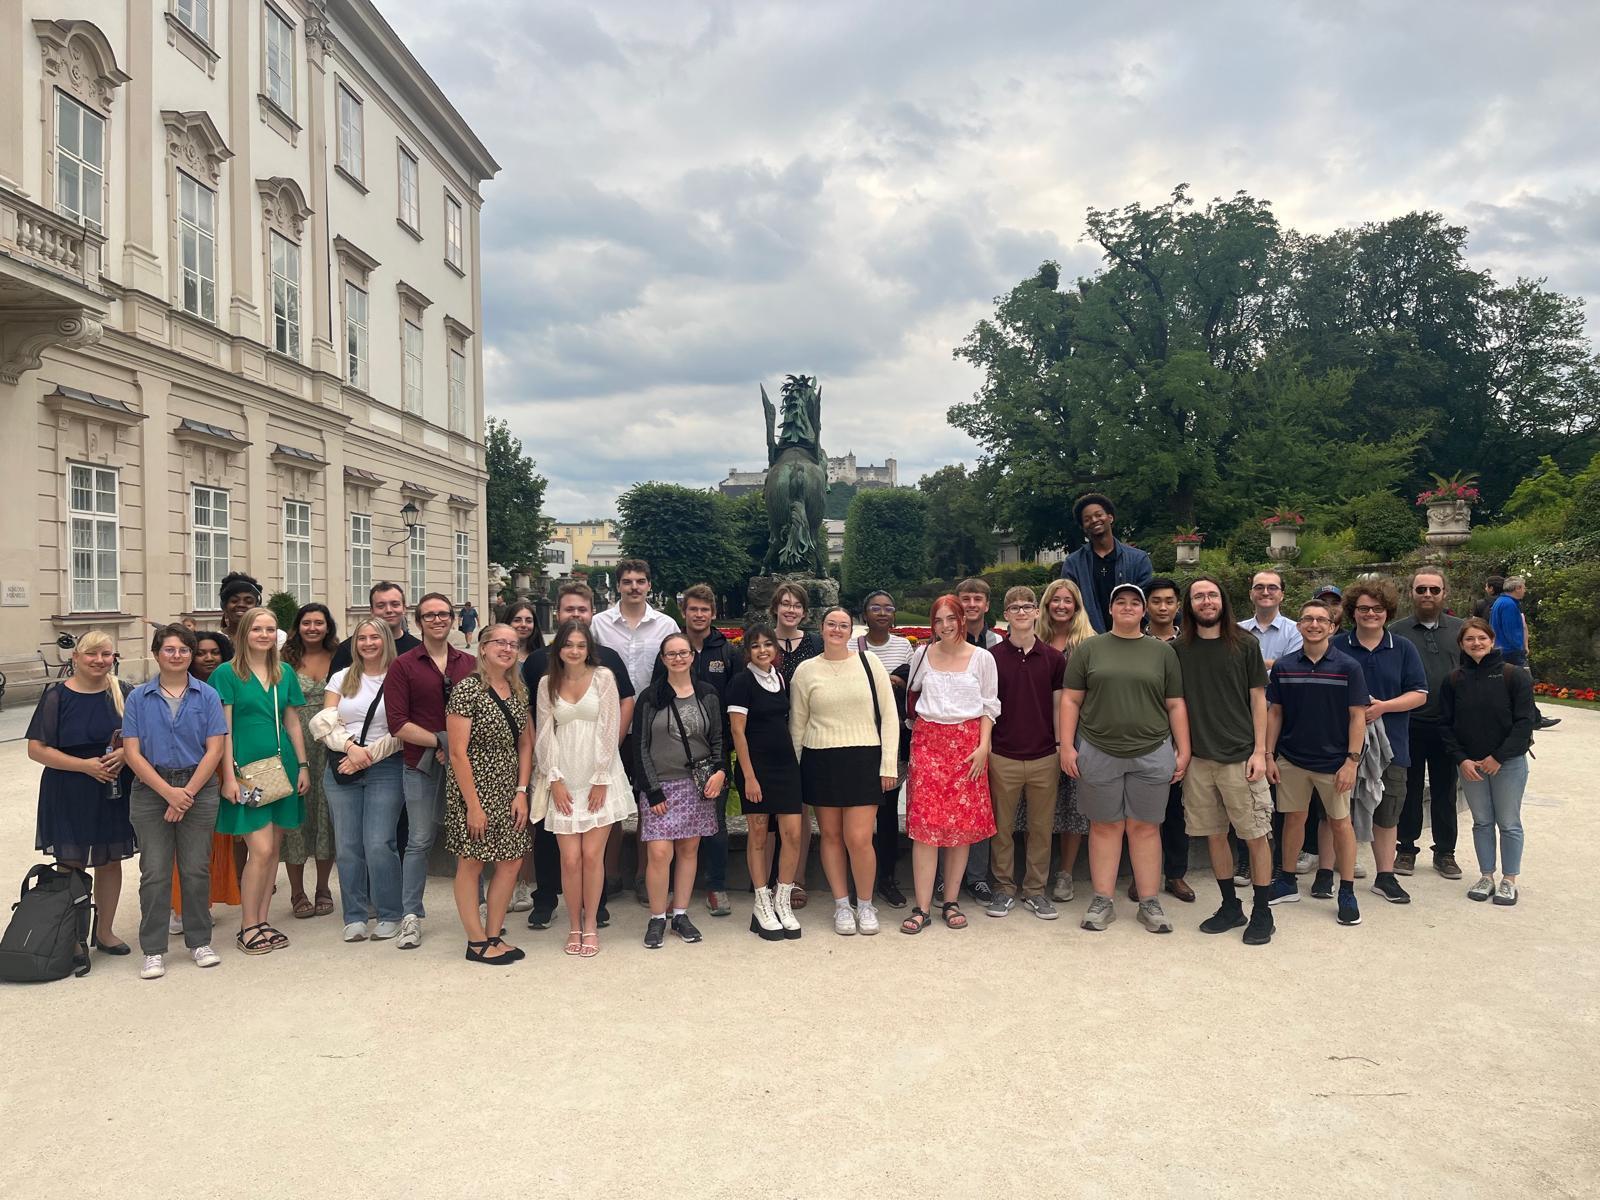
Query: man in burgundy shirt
{"type": "Point", "coordinates": [414, 696]}
{"type": "Point", "coordinates": [1023, 759]}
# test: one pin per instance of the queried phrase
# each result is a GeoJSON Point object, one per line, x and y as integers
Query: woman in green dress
{"type": "Point", "coordinates": [261, 700]}
{"type": "Point", "coordinates": [309, 652]}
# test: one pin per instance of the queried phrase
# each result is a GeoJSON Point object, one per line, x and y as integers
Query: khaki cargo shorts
{"type": "Point", "coordinates": [1216, 795]}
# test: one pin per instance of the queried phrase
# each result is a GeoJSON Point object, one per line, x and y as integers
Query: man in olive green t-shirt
{"type": "Point", "coordinates": [1125, 739]}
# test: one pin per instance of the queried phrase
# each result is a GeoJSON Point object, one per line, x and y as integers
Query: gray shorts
{"type": "Point", "coordinates": [1116, 789]}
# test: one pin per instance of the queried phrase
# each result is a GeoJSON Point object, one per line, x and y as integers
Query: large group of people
{"type": "Point", "coordinates": [1115, 705]}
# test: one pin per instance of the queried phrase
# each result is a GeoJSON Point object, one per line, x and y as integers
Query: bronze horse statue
{"type": "Point", "coordinates": [797, 480]}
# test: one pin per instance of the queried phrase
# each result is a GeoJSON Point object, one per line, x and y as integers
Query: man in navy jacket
{"type": "Point", "coordinates": [1102, 562]}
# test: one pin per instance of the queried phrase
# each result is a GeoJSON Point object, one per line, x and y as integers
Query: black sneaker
{"type": "Point", "coordinates": [602, 918]}
{"type": "Point", "coordinates": [1259, 931]}
{"type": "Point", "coordinates": [684, 928]}
{"type": "Point", "coordinates": [1349, 910]}
{"type": "Point", "coordinates": [981, 891]}
{"type": "Point", "coordinates": [1387, 886]}
{"type": "Point", "coordinates": [1322, 886]}
{"type": "Point", "coordinates": [540, 918]}
{"type": "Point", "coordinates": [1548, 722]}
{"type": "Point", "coordinates": [1229, 916]}
{"type": "Point", "coordinates": [889, 892]}
{"type": "Point", "coordinates": [654, 933]}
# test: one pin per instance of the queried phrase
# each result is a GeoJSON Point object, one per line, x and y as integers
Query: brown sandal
{"type": "Point", "coordinates": [954, 918]}
{"type": "Point", "coordinates": [324, 903]}
{"type": "Point", "coordinates": [302, 907]}
{"type": "Point", "coordinates": [797, 897]}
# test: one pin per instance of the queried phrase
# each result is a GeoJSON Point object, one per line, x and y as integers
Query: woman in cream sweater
{"type": "Point", "coordinates": [842, 720]}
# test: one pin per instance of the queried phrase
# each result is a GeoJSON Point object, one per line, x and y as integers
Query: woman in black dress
{"type": "Point", "coordinates": [758, 714]}
{"type": "Point", "coordinates": [76, 735]}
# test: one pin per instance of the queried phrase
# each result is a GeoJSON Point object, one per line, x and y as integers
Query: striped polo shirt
{"type": "Point", "coordinates": [1316, 698]}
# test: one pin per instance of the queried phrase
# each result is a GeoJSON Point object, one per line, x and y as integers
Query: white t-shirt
{"type": "Point", "coordinates": [353, 709]}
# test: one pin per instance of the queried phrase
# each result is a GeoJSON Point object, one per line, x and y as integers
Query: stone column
{"type": "Point", "coordinates": [244, 317]}
{"type": "Point", "coordinates": [13, 151]}
{"type": "Point", "coordinates": [324, 359]}
{"type": "Point", "coordinates": [141, 264]}
{"type": "Point", "coordinates": [164, 580]}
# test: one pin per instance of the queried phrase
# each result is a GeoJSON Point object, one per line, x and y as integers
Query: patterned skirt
{"type": "Point", "coordinates": [689, 814]}
{"type": "Point", "coordinates": [944, 807]}
{"type": "Point", "coordinates": [1068, 819]}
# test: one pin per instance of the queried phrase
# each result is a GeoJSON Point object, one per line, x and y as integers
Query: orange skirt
{"type": "Point", "coordinates": [224, 881]}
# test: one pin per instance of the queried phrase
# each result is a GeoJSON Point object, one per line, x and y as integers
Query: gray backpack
{"type": "Point", "coordinates": [48, 937]}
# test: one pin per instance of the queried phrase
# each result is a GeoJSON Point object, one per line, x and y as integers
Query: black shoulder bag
{"type": "Point", "coordinates": [335, 757]}
{"type": "Point", "coordinates": [700, 769]}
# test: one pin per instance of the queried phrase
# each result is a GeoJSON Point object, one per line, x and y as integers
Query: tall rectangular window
{"type": "Point", "coordinates": [410, 194]}
{"type": "Point", "coordinates": [80, 162]}
{"type": "Point", "coordinates": [211, 547]}
{"type": "Point", "coordinates": [297, 550]}
{"type": "Point", "coordinates": [197, 247]}
{"type": "Point", "coordinates": [196, 14]}
{"type": "Point", "coordinates": [360, 557]}
{"type": "Point", "coordinates": [92, 516]}
{"type": "Point", "coordinates": [350, 130]}
{"type": "Point", "coordinates": [452, 232]}
{"type": "Point", "coordinates": [417, 553]}
{"type": "Point", "coordinates": [355, 336]}
{"type": "Point", "coordinates": [412, 367]}
{"type": "Point", "coordinates": [463, 567]}
{"type": "Point", "coordinates": [458, 392]}
{"type": "Point", "coordinates": [280, 60]}
{"type": "Point", "coordinates": [285, 296]}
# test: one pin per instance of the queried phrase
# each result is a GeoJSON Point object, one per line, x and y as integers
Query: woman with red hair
{"type": "Point", "coordinates": [954, 699]}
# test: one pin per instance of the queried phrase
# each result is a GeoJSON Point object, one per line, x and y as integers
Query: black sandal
{"type": "Point", "coordinates": [950, 918]}
{"type": "Point", "coordinates": [476, 953]}
{"type": "Point", "coordinates": [916, 922]}
{"type": "Point", "coordinates": [256, 943]}
{"type": "Point", "coordinates": [278, 939]}
{"type": "Point", "coordinates": [514, 953]}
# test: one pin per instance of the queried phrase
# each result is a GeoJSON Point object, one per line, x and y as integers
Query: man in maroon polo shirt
{"type": "Point", "coordinates": [414, 695]}
{"type": "Point", "coordinates": [1024, 765]}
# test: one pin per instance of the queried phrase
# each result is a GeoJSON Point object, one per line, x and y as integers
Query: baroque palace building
{"type": "Point", "coordinates": [240, 316]}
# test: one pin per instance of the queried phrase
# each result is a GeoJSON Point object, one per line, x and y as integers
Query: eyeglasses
{"type": "Point", "coordinates": [1022, 608]}
{"type": "Point", "coordinates": [175, 651]}
{"type": "Point", "coordinates": [1266, 587]}
{"type": "Point", "coordinates": [1315, 621]}
{"type": "Point", "coordinates": [677, 654]}
{"type": "Point", "coordinates": [1368, 610]}
{"type": "Point", "coordinates": [502, 643]}
{"type": "Point", "coordinates": [1428, 589]}
{"type": "Point", "coordinates": [434, 616]}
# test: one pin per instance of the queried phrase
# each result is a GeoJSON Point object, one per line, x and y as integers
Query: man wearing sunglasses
{"type": "Point", "coordinates": [1433, 632]}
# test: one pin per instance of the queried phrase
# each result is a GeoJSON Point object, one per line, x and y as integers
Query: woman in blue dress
{"type": "Point", "coordinates": [83, 790]}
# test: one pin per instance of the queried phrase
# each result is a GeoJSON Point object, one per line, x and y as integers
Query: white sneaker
{"type": "Point", "coordinates": [410, 932]}
{"type": "Point", "coordinates": [356, 931]}
{"type": "Point", "coordinates": [386, 930]}
{"type": "Point", "coordinates": [521, 898]}
{"type": "Point", "coordinates": [205, 956]}
{"type": "Point", "coordinates": [844, 920]}
{"type": "Point", "coordinates": [867, 919]}
{"type": "Point", "coordinates": [1361, 872]}
{"type": "Point", "coordinates": [174, 921]}
{"type": "Point", "coordinates": [1305, 864]}
{"type": "Point", "coordinates": [154, 967]}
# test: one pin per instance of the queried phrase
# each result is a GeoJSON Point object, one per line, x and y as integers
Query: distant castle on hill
{"type": "Point", "coordinates": [842, 469]}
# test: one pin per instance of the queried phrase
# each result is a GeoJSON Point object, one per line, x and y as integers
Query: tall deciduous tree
{"type": "Point", "coordinates": [883, 541]}
{"type": "Point", "coordinates": [960, 537]}
{"type": "Point", "coordinates": [514, 497]}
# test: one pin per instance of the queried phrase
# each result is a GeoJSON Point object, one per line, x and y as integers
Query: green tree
{"type": "Point", "coordinates": [284, 606]}
{"type": "Point", "coordinates": [684, 534]}
{"type": "Point", "coordinates": [1385, 525]}
{"type": "Point", "coordinates": [1547, 493]}
{"type": "Point", "coordinates": [883, 542]}
{"type": "Point", "coordinates": [960, 538]}
{"type": "Point", "coordinates": [514, 501]}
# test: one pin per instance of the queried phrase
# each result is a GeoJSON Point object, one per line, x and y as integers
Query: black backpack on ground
{"type": "Point", "coordinates": [48, 937]}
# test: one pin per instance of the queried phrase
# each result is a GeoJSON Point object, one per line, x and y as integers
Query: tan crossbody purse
{"type": "Point", "coordinates": [264, 781]}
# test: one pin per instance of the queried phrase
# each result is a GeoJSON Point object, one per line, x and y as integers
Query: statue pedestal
{"type": "Point", "coordinates": [821, 594]}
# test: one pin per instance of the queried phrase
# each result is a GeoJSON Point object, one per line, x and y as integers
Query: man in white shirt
{"type": "Point", "coordinates": [633, 628]}
{"type": "Point", "coordinates": [1276, 634]}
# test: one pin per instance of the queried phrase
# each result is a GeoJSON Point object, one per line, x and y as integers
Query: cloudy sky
{"type": "Point", "coordinates": [698, 197]}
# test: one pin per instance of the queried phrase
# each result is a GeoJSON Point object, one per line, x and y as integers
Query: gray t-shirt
{"type": "Point", "coordinates": [666, 747]}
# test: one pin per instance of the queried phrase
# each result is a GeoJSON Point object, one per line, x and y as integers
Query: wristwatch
{"type": "Point", "coordinates": [1355, 758]}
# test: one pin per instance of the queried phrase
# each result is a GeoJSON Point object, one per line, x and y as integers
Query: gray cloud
{"type": "Point", "coordinates": [701, 196]}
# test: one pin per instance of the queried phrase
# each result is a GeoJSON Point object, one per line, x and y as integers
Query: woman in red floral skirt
{"type": "Point", "coordinates": [953, 689]}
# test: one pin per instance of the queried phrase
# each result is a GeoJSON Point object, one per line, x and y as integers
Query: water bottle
{"type": "Point", "coordinates": [114, 788]}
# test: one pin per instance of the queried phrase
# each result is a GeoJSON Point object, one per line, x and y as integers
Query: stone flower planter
{"type": "Point", "coordinates": [1285, 542]}
{"type": "Point", "coordinates": [1188, 553]}
{"type": "Point", "coordinates": [1449, 523]}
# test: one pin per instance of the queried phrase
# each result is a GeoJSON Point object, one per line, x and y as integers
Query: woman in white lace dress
{"type": "Point", "coordinates": [577, 764]}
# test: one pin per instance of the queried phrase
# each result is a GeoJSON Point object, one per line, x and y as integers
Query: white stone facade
{"type": "Point", "coordinates": [240, 315]}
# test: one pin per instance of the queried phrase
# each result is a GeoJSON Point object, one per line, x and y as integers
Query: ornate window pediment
{"type": "Point", "coordinates": [284, 205]}
{"type": "Point", "coordinates": [80, 60]}
{"type": "Point", "coordinates": [195, 143]}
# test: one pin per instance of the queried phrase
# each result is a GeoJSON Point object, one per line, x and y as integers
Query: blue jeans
{"type": "Point", "coordinates": [422, 815]}
{"type": "Point", "coordinates": [1496, 800]}
{"type": "Point", "coordinates": [365, 814]}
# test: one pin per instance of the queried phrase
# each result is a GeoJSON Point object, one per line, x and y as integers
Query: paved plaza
{"type": "Point", "coordinates": [1444, 1049]}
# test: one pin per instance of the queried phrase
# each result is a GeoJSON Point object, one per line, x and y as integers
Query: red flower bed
{"type": "Point", "coordinates": [1566, 693]}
